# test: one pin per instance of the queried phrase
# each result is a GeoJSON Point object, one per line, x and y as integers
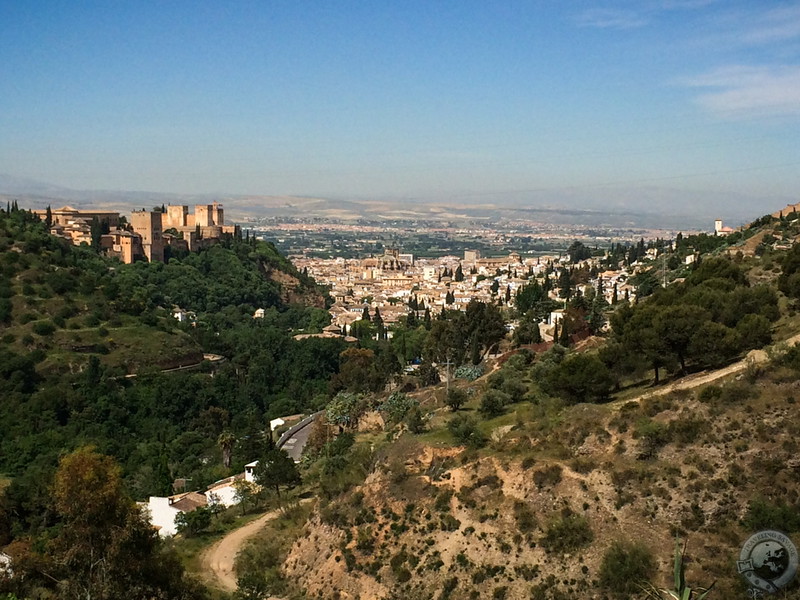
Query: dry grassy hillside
{"type": "Point", "coordinates": [536, 512]}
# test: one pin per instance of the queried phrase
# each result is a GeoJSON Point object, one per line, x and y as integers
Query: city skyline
{"type": "Point", "coordinates": [577, 103]}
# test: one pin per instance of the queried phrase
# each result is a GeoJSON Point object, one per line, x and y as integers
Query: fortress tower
{"type": "Point", "coordinates": [148, 225]}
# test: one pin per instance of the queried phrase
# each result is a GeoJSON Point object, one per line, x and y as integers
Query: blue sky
{"type": "Point", "coordinates": [538, 101]}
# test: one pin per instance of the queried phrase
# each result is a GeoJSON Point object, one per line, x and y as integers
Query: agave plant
{"type": "Point", "coordinates": [681, 591]}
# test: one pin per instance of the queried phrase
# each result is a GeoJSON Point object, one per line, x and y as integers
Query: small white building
{"type": "Point", "coordinates": [223, 492]}
{"type": "Point", "coordinates": [164, 510]}
{"type": "Point", "coordinates": [249, 471]}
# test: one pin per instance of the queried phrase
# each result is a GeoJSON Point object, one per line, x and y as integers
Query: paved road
{"type": "Point", "coordinates": [294, 440]}
{"type": "Point", "coordinates": [295, 444]}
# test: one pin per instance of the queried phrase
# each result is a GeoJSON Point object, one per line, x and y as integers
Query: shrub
{"type": "Point", "coordinates": [456, 398]}
{"type": "Point", "coordinates": [686, 431]}
{"type": "Point", "coordinates": [524, 517]}
{"type": "Point", "coordinates": [567, 534]}
{"type": "Point", "coordinates": [548, 476]}
{"type": "Point", "coordinates": [653, 435]}
{"type": "Point", "coordinates": [465, 431]}
{"type": "Point", "coordinates": [763, 514]}
{"type": "Point", "coordinates": [625, 566]}
{"type": "Point", "coordinates": [396, 407]}
{"type": "Point", "coordinates": [493, 403]}
{"type": "Point", "coordinates": [709, 393]}
{"type": "Point", "coordinates": [43, 328]}
{"type": "Point", "coordinates": [515, 389]}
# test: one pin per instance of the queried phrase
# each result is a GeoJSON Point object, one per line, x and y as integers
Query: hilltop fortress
{"type": "Point", "coordinates": [146, 235]}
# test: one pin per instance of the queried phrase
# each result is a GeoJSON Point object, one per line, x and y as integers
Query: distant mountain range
{"type": "Point", "coordinates": [660, 208]}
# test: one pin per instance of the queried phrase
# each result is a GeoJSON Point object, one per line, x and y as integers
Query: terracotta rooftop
{"type": "Point", "coordinates": [190, 501]}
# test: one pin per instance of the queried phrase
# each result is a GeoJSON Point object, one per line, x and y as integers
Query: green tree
{"type": "Point", "coordinates": [579, 378]}
{"type": "Point", "coordinates": [345, 410]}
{"type": "Point", "coordinates": [529, 295]}
{"type": "Point", "coordinates": [493, 403]}
{"type": "Point", "coordinates": [456, 398]}
{"type": "Point", "coordinates": [194, 522]}
{"type": "Point", "coordinates": [713, 344]}
{"type": "Point", "coordinates": [104, 547]}
{"type": "Point", "coordinates": [565, 284]}
{"type": "Point", "coordinates": [396, 406]}
{"type": "Point", "coordinates": [276, 470]}
{"type": "Point", "coordinates": [226, 441]}
{"type": "Point", "coordinates": [676, 325]}
{"type": "Point", "coordinates": [577, 252]}
{"type": "Point", "coordinates": [96, 231]}
{"type": "Point", "coordinates": [527, 330]}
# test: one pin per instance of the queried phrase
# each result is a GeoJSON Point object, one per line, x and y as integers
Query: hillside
{"type": "Point", "coordinates": [535, 512]}
{"type": "Point", "coordinates": [75, 328]}
{"type": "Point", "coordinates": [549, 472]}
{"type": "Point", "coordinates": [543, 495]}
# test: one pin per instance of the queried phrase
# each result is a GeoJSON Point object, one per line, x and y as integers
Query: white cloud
{"type": "Point", "coordinates": [740, 91]}
{"type": "Point", "coordinates": [610, 18]}
{"type": "Point", "coordinates": [776, 25]}
{"type": "Point", "coordinates": [645, 13]}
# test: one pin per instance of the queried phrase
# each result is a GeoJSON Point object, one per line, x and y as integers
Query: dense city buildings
{"type": "Point", "coordinates": [397, 288]}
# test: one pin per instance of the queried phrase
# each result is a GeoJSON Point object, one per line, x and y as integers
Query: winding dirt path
{"type": "Point", "coordinates": [704, 377]}
{"type": "Point", "coordinates": [217, 561]}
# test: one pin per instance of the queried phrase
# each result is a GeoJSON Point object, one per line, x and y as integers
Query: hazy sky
{"type": "Point", "coordinates": [423, 99]}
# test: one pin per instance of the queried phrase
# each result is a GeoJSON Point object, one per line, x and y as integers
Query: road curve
{"type": "Point", "coordinates": [217, 561]}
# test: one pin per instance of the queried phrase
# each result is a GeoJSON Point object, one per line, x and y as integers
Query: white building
{"type": "Point", "coordinates": [164, 510]}
{"type": "Point", "coordinates": [249, 471]}
{"type": "Point", "coordinates": [223, 492]}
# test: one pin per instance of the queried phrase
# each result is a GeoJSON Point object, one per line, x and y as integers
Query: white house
{"type": "Point", "coordinates": [164, 510]}
{"type": "Point", "coordinates": [223, 492]}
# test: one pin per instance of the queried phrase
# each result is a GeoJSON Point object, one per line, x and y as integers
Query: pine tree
{"type": "Point", "coordinates": [565, 285]}
{"type": "Point", "coordinates": [564, 337]}
{"type": "Point", "coordinates": [48, 218]}
{"type": "Point", "coordinates": [365, 313]}
{"type": "Point", "coordinates": [96, 233]}
{"type": "Point", "coordinates": [378, 322]}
